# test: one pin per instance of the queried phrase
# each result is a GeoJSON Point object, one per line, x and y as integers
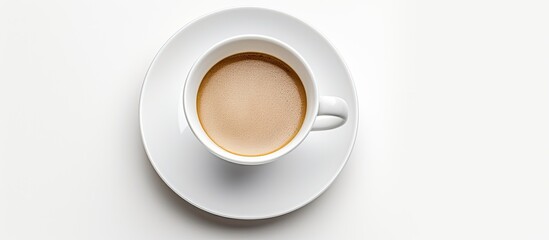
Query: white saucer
{"type": "Point", "coordinates": [215, 185]}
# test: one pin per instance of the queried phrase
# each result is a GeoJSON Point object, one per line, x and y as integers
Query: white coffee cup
{"type": "Point", "coordinates": [316, 105]}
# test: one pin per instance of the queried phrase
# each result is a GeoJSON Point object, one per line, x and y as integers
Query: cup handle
{"type": "Point", "coordinates": [332, 113]}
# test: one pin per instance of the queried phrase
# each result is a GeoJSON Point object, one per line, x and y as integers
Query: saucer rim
{"type": "Point", "coordinates": [249, 217]}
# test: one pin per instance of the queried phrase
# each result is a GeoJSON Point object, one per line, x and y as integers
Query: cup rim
{"type": "Point", "coordinates": [196, 127]}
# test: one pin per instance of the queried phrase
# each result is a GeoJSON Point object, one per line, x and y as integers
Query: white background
{"type": "Point", "coordinates": [453, 138]}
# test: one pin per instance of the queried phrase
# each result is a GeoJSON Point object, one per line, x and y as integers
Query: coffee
{"type": "Point", "coordinates": [251, 104]}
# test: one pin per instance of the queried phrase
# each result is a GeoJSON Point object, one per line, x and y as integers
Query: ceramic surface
{"type": "Point", "coordinates": [227, 189]}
